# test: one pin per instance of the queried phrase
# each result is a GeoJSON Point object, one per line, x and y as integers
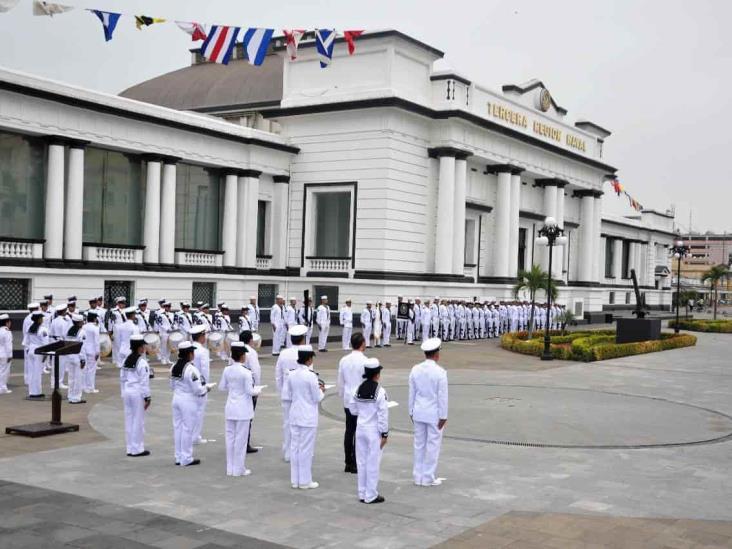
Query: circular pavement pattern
{"type": "Point", "coordinates": [562, 417]}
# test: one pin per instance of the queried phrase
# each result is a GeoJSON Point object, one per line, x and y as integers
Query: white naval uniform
{"type": "Point", "coordinates": [90, 351]}
{"type": "Point", "coordinates": [426, 321]}
{"type": "Point", "coordinates": [410, 326]}
{"type": "Point", "coordinates": [306, 319]}
{"type": "Point", "coordinates": [373, 421]}
{"type": "Point", "coordinates": [323, 320]}
{"type": "Point", "coordinates": [57, 331]}
{"type": "Point", "coordinates": [74, 363]}
{"type": "Point", "coordinates": [27, 321]}
{"type": "Point", "coordinates": [367, 321]}
{"type": "Point", "coordinates": [254, 316]}
{"type": "Point", "coordinates": [166, 324]}
{"type": "Point", "coordinates": [302, 385]}
{"type": "Point", "coordinates": [350, 376]}
{"type": "Point", "coordinates": [346, 322]}
{"type": "Point", "coordinates": [35, 368]}
{"type": "Point", "coordinates": [135, 389]}
{"type": "Point", "coordinates": [116, 319]}
{"type": "Point", "coordinates": [290, 316]}
{"type": "Point", "coordinates": [386, 328]}
{"type": "Point", "coordinates": [202, 362]}
{"type": "Point", "coordinates": [184, 322]}
{"type": "Point", "coordinates": [246, 324]}
{"type": "Point", "coordinates": [286, 363]}
{"type": "Point", "coordinates": [427, 405]}
{"type": "Point", "coordinates": [187, 390]}
{"type": "Point", "coordinates": [6, 355]}
{"type": "Point", "coordinates": [279, 329]}
{"type": "Point", "coordinates": [238, 381]}
{"type": "Point", "coordinates": [122, 335]}
{"type": "Point", "coordinates": [401, 323]}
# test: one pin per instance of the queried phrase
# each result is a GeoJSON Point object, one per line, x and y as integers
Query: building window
{"type": "Point", "coordinates": [609, 257]}
{"type": "Point", "coordinates": [118, 288]}
{"type": "Point", "coordinates": [14, 294]}
{"type": "Point", "coordinates": [205, 292]}
{"type": "Point", "coordinates": [22, 186]}
{"type": "Point", "coordinates": [197, 197]}
{"type": "Point", "coordinates": [627, 298]}
{"type": "Point", "coordinates": [611, 298]}
{"type": "Point", "coordinates": [470, 234]}
{"type": "Point", "coordinates": [332, 224]}
{"type": "Point", "coordinates": [266, 295]}
{"type": "Point", "coordinates": [113, 190]}
{"type": "Point", "coordinates": [625, 268]}
{"type": "Point", "coordinates": [522, 249]}
{"type": "Point", "coordinates": [263, 226]}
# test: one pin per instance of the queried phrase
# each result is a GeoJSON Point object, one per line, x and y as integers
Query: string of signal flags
{"type": "Point", "coordinates": [619, 189]}
{"type": "Point", "coordinates": [218, 40]}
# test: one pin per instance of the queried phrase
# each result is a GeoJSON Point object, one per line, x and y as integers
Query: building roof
{"type": "Point", "coordinates": [206, 87]}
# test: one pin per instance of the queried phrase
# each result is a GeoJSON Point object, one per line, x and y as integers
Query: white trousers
{"type": "Point", "coordinates": [386, 333]}
{"type": "Point", "coordinates": [286, 429]}
{"type": "Point", "coordinates": [90, 373]}
{"type": "Point", "coordinates": [368, 460]}
{"type": "Point", "coordinates": [4, 374]}
{"type": "Point", "coordinates": [401, 328]}
{"type": "Point", "coordinates": [279, 334]}
{"type": "Point", "coordinates": [425, 331]}
{"type": "Point", "coordinates": [237, 433]}
{"type": "Point", "coordinates": [202, 402]}
{"type": "Point", "coordinates": [309, 335]}
{"type": "Point", "coordinates": [346, 337]}
{"type": "Point", "coordinates": [302, 450]}
{"type": "Point", "coordinates": [427, 442]}
{"type": "Point", "coordinates": [445, 323]}
{"type": "Point", "coordinates": [164, 355]}
{"type": "Point", "coordinates": [410, 332]}
{"type": "Point", "coordinates": [323, 337]}
{"type": "Point", "coordinates": [367, 335]}
{"type": "Point", "coordinates": [26, 365]}
{"type": "Point", "coordinates": [76, 378]}
{"type": "Point", "coordinates": [185, 414]}
{"type": "Point", "coordinates": [35, 371]}
{"type": "Point", "coordinates": [134, 422]}
{"type": "Point", "coordinates": [62, 362]}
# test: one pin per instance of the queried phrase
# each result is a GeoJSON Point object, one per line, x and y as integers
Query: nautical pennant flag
{"type": "Point", "coordinates": [324, 42]}
{"type": "Point", "coordinates": [145, 21]}
{"type": "Point", "coordinates": [109, 22]}
{"type": "Point", "coordinates": [256, 42]}
{"type": "Point", "coordinates": [7, 5]}
{"type": "Point", "coordinates": [293, 38]}
{"type": "Point", "coordinates": [350, 37]}
{"type": "Point", "coordinates": [219, 44]}
{"type": "Point", "coordinates": [49, 8]}
{"type": "Point", "coordinates": [196, 30]}
{"type": "Point", "coordinates": [617, 187]}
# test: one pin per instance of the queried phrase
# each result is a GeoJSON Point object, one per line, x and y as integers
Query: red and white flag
{"type": "Point", "coordinates": [292, 38]}
{"type": "Point", "coordinates": [196, 30]}
{"type": "Point", "coordinates": [350, 37]}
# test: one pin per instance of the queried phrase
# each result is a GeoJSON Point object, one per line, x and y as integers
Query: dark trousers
{"type": "Point", "coordinates": [349, 440]}
{"type": "Point", "coordinates": [251, 423]}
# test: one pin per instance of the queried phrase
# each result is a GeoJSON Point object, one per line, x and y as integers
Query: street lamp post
{"type": "Point", "coordinates": [679, 250]}
{"type": "Point", "coordinates": [549, 235]}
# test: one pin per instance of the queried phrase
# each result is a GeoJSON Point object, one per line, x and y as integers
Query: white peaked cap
{"type": "Point", "coordinates": [252, 297]}
{"type": "Point", "coordinates": [185, 345]}
{"type": "Point", "coordinates": [137, 337]}
{"type": "Point", "coordinates": [293, 298]}
{"type": "Point", "coordinates": [197, 329]}
{"type": "Point", "coordinates": [304, 347]}
{"type": "Point", "coordinates": [279, 296]}
{"type": "Point", "coordinates": [77, 318]}
{"type": "Point", "coordinates": [240, 344]}
{"type": "Point", "coordinates": [129, 310]}
{"type": "Point", "coordinates": [33, 305]}
{"type": "Point", "coordinates": [323, 297]}
{"type": "Point", "coordinates": [298, 330]}
{"type": "Point", "coordinates": [121, 300]}
{"type": "Point", "coordinates": [61, 307]}
{"type": "Point", "coordinates": [4, 316]}
{"type": "Point", "coordinates": [432, 344]}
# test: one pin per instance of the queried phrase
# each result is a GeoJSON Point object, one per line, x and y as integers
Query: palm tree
{"type": "Point", "coordinates": [713, 276]}
{"type": "Point", "coordinates": [533, 281]}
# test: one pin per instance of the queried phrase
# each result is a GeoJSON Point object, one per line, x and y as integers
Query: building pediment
{"type": "Point", "coordinates": [535, 94]}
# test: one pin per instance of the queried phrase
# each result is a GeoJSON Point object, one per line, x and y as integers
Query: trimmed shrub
{"type": "Point", "coordinates": [698, 325]}
{"type": "Point", "coordinates": [589, 346]}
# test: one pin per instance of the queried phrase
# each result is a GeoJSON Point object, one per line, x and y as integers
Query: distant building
{"type": "Point", "coordinates": [707, 250]}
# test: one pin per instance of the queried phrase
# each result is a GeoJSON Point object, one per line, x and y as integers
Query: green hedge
{"type": "Point", "coordinates": [589, 346]}
{"type": "Point", "coordinates": [715, 326]}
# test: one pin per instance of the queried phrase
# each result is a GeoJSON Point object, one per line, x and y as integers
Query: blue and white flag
{"type": "Point", "coordinates": [109, 21]}
{"type": "Point", "coordinates": [324, 42]}
{"type": "Point", "coordinates": [256, 42]}
{"type": "Point", "coordinates": [219, 44]}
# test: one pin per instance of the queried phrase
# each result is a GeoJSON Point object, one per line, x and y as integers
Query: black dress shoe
{"type": "Point", "coordinates": [77, 401]}
{"type": "Point", "coordinates": [379, 499]}
{"type": "Point", "coordinates": [351, 469]}
{"type": "Point", "coordinates": [177, 462]}
{"type": "Point", "coordinates": [194, 462]}
{"type": "Point", "coordinates": [323, 350]}
{"type": "Point", "coordinates": [252, 450]}
{"type": "Point", "coordinates": [141, 454]}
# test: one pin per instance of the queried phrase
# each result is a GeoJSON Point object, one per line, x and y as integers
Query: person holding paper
{"type": "Point", "coordinates": [350, 376]}
{"type": "Point", "coordinates": [286, 363]}
{"type": "Point", "coordinates": [238, 381]}
{"type": "Point", "coordinates": [369, 405]}
{"type": "Point", "coordinates": [428, 410]}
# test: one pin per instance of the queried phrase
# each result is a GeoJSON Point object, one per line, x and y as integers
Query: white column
{"type": "Point", "coordinates": [513, 241]}
{"type": "Point", "coordinates": [445, 212]}
{"type": "Point", "coordinates": [248, 197]}
{"type": "Point", "coordinates": [587, 237]}
{"type": "Point", "coordinates": [54, 218]}
{"type": "Point", "coordinates": [167, 214]}
{"type": "Point", "coordinates": [228, 228]}
{"type": "Point", "coordinates": [280, 221]}
{"type": "Point", "coordinates": [559, 250]}
{"type": "Point", "coordinates": [461, 182]}
{"type": "Point", "coordinates": [597, 218]}
{"type": "Point", "coordinates": [617, 260]}
{"type": "Point", "coordinates": [503, 224]}
{"type": "Point", "coordinates": [73, 227]}
{"type": "Point", "coordinates": [151, 223]}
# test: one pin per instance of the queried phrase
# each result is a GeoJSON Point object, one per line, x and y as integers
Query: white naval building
{"type": "Point", "coordinates": [374, 177]}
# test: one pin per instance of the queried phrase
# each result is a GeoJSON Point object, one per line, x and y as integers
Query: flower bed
{"type": "Point", "coordinates": [714, 326]}
{"type": "Point", "coordinates": [588, 346]}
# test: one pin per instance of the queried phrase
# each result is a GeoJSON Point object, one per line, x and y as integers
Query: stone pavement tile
{"type": "Point", "coordinates": [23, 539]}
{"type": "Point", "coordinates": [716, 526]}
{"type": "Point", "coordinates": [59, 532]}
{"type": "Point", "coordinates": [107, 542]}
{"type": "Point", "coordinates": [178, 542]}
{"type": "Point", "coordinates": [18, 519]}
{"type": "Point", "coordinates": [146, 535]}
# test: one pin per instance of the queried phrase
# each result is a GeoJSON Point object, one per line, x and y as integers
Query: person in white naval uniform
{"type": "Point", "coordinates": [305, 316]}
{"type": "Point", "coordinates": [90, 351]}
{"type": "Point", "coordinates": [306, 392]}
{"type": "Point", "coordinates": [369, 405]}
{"type": "Point", "coordinates": [350, 376]}
{"type": "Point", "coordinates": [75, 363]}
{"type": "Point", "coordinates": [57, 331]}
{"type": "Point", "coordinates": [185, 381]}
{"type": "Point", "coordinates": [238, 382]}
{"type": "Point", "coordinates": [386, 315]}
{"type": "Point", "coordinates": [165, 324]}
{"type": "Point", "coordinates": [252, 340]}
{"type": "Point", "coordinates": [202, 362]}
{"type": "Point", "coordinates": [245, 322]}
{"type": "Point", "coordinates": [323, 320]}
{"type": "Point", "coordinates": [426, 320]}
{"type": "Point", "coordinates": [6, 352]}
{"type": "Point", "coordinates": [279, 328]}
{"type": "Point", "coordinates": [290, 316]}
{"type": "Point", "coordinates": [367, 322]}
{"type": "Point", "coordinates": [136, 396]}
{"type": "Point", "coordinates": [27, 321]}
{"type": "Point", "coordinates": [253, 313]}
{"type": "Point", "coordinates": [113, 319]}
{"type": "Point", "coordinates": [184, 318]}
{"type": "Point", "coordinates": [36, 337]}
{"type": "Point", "coordinates": [428, 410]}
{"type": "Point", "coordinates": [123, 333]}
{"type": "Point", "coordinates": [345, 319]}
{"type": "Point", "coordinates": [286, 363]}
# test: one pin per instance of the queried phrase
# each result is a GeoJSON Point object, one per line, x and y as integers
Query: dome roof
{"type": "Point", "coordinates": [210, 87]}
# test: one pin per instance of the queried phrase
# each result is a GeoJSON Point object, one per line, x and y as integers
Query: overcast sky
{"type": "Point", "coordinates": [657, 73]}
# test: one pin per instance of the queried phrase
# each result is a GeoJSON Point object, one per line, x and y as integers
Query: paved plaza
{"type": "Point", "coordinates": [633, 452]}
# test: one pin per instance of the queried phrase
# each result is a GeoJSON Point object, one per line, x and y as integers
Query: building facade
{"type": "Point", "coordinates": [375, 177]}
